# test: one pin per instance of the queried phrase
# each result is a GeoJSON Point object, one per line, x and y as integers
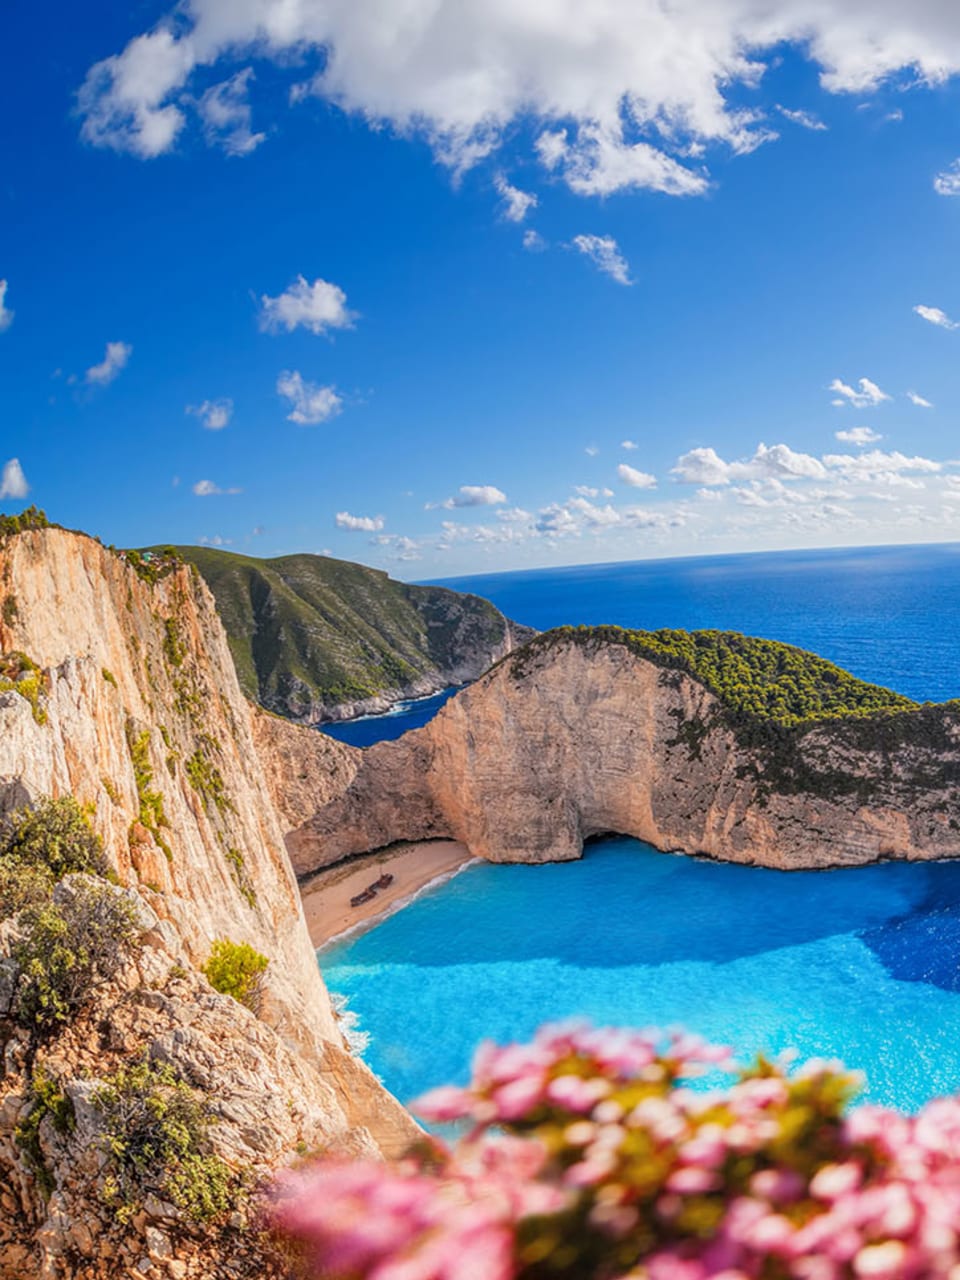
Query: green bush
{"type": "Point", "coordinates": [55, 835]}
{"type": "Point", "coordinates": [68, 949]}
{"type": "Point", "coordinates": [157, 1135]}
{"type": "Point", "coordinates": [47, 1098]}
{"type": "Point", "coordinates": [235, 969]}
{"type": "Point", "coordinates": [22, 886]}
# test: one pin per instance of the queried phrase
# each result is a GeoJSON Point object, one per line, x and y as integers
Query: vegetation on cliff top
{"type": "Point", "coordinates": [307, 629]}
{"type": "Point", "coordinates": [762, 681]}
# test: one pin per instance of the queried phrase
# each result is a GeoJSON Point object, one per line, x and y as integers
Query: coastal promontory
{"type": "Point", "coordinates": [706, 743]}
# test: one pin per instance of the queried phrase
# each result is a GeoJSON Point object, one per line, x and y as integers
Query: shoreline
{"type": "Point", "coordinates": [414, 867]}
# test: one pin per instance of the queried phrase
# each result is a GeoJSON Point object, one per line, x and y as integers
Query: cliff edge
{"type": "Point", "coordinates": [117, 687]}
{"type": "Point", "coordinates": [702, 743]}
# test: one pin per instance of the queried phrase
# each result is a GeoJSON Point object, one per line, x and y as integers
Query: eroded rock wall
{"type": "Point", "coordinates": [572, 740]}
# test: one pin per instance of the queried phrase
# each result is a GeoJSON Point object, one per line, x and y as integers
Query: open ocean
{"type": "Point", "coordinates": [859, 964]}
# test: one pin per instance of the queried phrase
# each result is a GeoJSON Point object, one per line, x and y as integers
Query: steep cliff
{"type": "Point", "coordinates": [316, 638]}
{"type": "Point", "coordinates": [122, 692]}
{"type": "Point", "coordinates": [784, 762]}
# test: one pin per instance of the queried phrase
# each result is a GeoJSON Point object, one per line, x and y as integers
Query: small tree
{"type": "Point", "coordinates": [235, 969]}
{"type": "Point", "coordinates": [69, 949]}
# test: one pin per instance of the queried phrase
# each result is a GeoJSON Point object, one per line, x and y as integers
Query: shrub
{"type": "Point", "coordinates": [156, 1133]}
{"type": "Point", "coordinates": [47, 1098]}
{"type": "Point", "coordinates": [589, 1157]}
{"type": "Point", "coordinates": [235, 969]}
{"type": "Point", "coordinates": [22, 886]}
{"type": "Point", "coordinates": [70, 947]}
{"type": "Point", "coordinates": [56, 835]}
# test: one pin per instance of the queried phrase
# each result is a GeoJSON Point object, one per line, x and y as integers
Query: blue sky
{"type": "Point", "coordinates": [398, 282]}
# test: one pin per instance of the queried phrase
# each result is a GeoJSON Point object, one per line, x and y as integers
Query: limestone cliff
{"type": "Point", "coordinates": [129, 701]}
{"type": "Point", "coordinates": [579, 735]}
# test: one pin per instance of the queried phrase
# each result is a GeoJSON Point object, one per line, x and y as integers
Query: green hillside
{"type": "Point", "coordinates": [316, 638]}
{"type": "Point", "coordinates": [759, 681]}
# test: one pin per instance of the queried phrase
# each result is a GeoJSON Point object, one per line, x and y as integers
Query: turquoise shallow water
{"type": "Point", "coordinates": [859, 964]}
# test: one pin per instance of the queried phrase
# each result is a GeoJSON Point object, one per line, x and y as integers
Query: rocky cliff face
{"type": "Point", "coordinates": [135, 710]}
{"type": "Point", "coordinates": [574, 738]}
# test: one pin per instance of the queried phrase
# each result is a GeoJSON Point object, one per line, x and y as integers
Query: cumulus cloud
{"type": "Point", "coordinates": [471, 495]}
{"type": "Point", "coordinates": [516, 203]}
{"type": "Point", "coordinates": [605, 253]}
{"type": "Point", "coordinates": [318, 307]}
{"type": "Point", "coordinates": [947, 181]}
{"type": "Point", "coordinates": [310, 402]}
{"type": "Point", "coordinates": [858, 435]}
{"type": "Point", "coordinates": [629, 444]}
{"type": "Point", "coordinates": [533, 241]}
{"type": "Point", "coordinates": [868, 396]}
{"type": "Point", "coordinates": [634, 87]}
{"type": "Point", "coordinates": [933, 315]}
{"type": "Point", "coordinates": [224, 110]}
{"type": "Point", "coordinates": [359, 524]}
{"type": "Point", "coordinates": [115, 359]}
{"type": "Point", "coordinates": [6, 315]}
{"type": "Point", "coordinates": [704, 466]}
{"type": "Point", "coordinates": [208, 489]}
{"type": "Point", "coordinates": [13, 483]}
{"type": "Point", "coordinates": [213, 414]}
{"type": "Point", "coordinates": [878, 463]}
{"type": "Point", "coordinates": [803, 118]}
{"type": "Point", "coordinates": [637, 479]}
{"type": "Point", "coordinates": [214, 540]}
{"type": "Point", "coordinates": [591, 451]}
{"type": "Point", "coordinates": [920, 401]}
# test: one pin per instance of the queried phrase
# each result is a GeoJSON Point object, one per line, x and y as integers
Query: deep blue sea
{"type": "Point", "coordinates": [859, 964]}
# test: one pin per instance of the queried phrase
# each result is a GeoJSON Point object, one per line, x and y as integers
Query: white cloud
{"type": "Point", "coordinates": [13, 483]}
{"type": "Point", "coordinates": [471, 495]}
{"type": "Point", "coordinates": [868, 396]}
{"type": "Point", "coordinates": [599, 73]}
{"type": "Point", "coordinates": [6, 315]}
{"type": "Point", "coordinates": [533, 241]}
{"type": "Point", "coordinates": [207, 489]}
{"type": "Point", "coordinates": [595, 517]}
{"type": "Point", "coordinates": [803, 118]}
{"type": "Point", "coordinates": [311, 403]}
{"type": "Point", "coordinates": [213, 414]}
{"type": "Point", "coordinates": [516, 203]}
{"type": "Point", "coordinates": [225, 112]}
{"type": "Point", "coordinates": [878, 463]}
{"type": "Point", "coordinates": [116, 357]}
{"type": "Point", "coordinates": [214, 541]}
{"type": "Point", "coordinates": [920, 401]}
{"type": "Point", "coordinates": [858, 435]}
{"type": "Point", "coordinates": [935, 316]}
{"type": "Point", "coordinates": [704, 466]}
{"type": "Point", "coordinates": [947, 182]}
{"type": "Point", "coordinates": [629, 444]}
{"type": "Point", "coordinates": [605, 253]}
{"type": "Point", "coordinates": [318, 307]}
{"type": "Point", "coordinates": [359, 524]}
{"type": "Point", "coordinates": [591, 451]}
{"type": "Point", "coordinates": [637, 479]}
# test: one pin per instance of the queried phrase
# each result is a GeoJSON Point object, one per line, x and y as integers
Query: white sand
{"type": "Point", "coordinates": [326, 896]}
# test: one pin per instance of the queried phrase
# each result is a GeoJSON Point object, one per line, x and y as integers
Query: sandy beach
{"type": "Point", "coordinates": [326, 895]}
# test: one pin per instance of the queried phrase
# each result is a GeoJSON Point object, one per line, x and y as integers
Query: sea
{"type": "Point", "coordinates": [861, 965]}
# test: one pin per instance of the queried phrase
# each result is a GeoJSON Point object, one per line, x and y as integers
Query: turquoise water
{"type": "Point", "coordinates": [860, 964]}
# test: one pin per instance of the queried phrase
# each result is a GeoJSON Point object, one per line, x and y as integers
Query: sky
{"type": "Point", "coordinates": [454, 286]}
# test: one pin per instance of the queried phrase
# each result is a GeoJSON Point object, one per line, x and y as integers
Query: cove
{"type": "Point", "coordinates": [860, 964]}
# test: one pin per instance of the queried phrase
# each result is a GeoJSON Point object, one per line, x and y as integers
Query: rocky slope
{"type": "Point", "coordinates": [318, 639]}
{"type": "Point", "coordinates": [585, 732]}
{"type": "Point", "coordinates": [135, 709]}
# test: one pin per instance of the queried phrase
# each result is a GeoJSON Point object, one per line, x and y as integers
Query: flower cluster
{"type": "Point", "coordinates": [588, 1156]}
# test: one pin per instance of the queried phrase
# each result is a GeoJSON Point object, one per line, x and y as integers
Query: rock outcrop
{"type": "Point", "coordinates": [129, 701]}
{"type": "Point", "coordinates": [577, 735]}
